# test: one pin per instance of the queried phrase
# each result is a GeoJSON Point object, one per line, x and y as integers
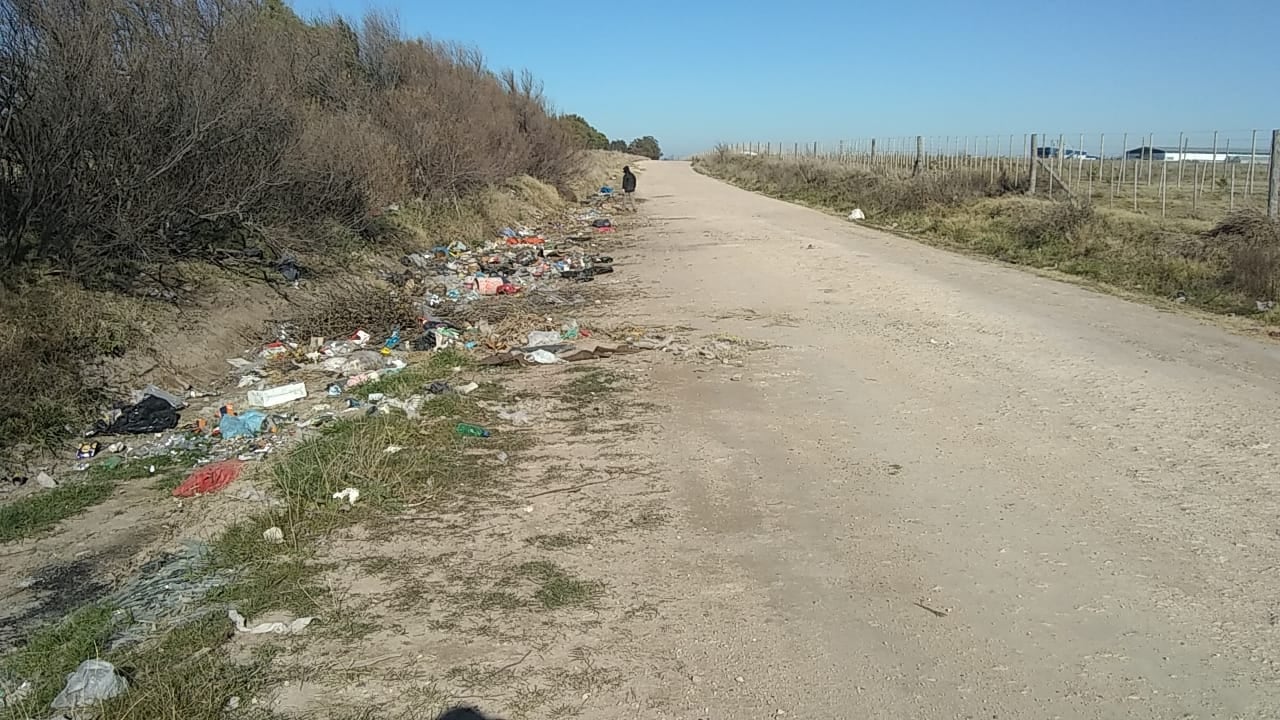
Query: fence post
{"type": "Point", "coordinates": [1273, 178]}
{"type": "Point", "coordinates": [1033, 164]}
{"type": "Point", "coordinates": [919, 164]}
{"type": "Point", "coordinates": [873, 151]}
{"type": "Point", "coordinates": [1253, 160]}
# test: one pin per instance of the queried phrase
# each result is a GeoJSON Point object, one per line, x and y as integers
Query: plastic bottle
{"type": "Point", "coordinates": [394, 340]}
{"type": "Point", "coordinates": [469, 430]}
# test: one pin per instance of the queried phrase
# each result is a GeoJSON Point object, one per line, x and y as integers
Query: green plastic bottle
{"type": "Point", "coordinates": [471, 430]}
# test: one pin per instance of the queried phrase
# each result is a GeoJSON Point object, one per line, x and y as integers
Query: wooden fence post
{"type": "Point", "coordinates": [919, 166]}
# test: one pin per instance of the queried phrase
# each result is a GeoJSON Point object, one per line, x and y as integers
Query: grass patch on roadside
{"type": "Point", "coordinates": [39, 512]}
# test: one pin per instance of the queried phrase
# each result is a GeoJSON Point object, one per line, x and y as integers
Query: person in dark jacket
{"type": "Point", "coordinates": [628, 186]}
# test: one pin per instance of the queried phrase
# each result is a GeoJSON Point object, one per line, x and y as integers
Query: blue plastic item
{"type": "Point", "coordinates": [248, 425]}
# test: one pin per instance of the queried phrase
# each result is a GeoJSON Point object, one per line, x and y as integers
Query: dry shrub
{"type": "Point", "coordinates": [1249, 244]}
{"type": "Point", "coordinates": [139, 131]}
{"type": "Point", "coordinates": [1045, 223]}
{"type": "Point", "coordinates": [345, 307]}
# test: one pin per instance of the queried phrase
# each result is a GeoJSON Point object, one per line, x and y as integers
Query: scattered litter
{"type": "Point", "coordinates": [515, 417]}
{"type": "Point", "coordinates": [233, 703]}
{"type": "Point", "coordinates": [273, 628]}
{"type": "Point", "coordinates": [469, 430]}
{"type": "Point", "coordinates": [249, 493]}
{"type": "Point", "coordinates": [289, 268]}
{"type": "Point", "coordinates": [92, 682]}
{"type": "Point", "coordinates": [277, 395]}
{"type": "Point", "coordinates": [467, 389]}
{"type": "Point", "coordinates": [541, 338]}
{"type": "Point", "coordinates": [116, 447]}
{"type": "Point", "coordinates": [248, 425]}
{"type": "Point", "coordinates": [502, 457]}
{"type": "Point", "coordinates": [542, 357]}
{"type": "Point", "coordinates": [1264, 305]}
{"type": "Point", "coordinates": [857, 214]}
{"type": "Point", "coordinates": [392, 449]}
{"type": "Point", "coordinates": [351, 495]}
{"type": "Point", "coordinates": [150, 415]}
{"type": "Point", "coordinates": [210, 478]}
{"type": "Point", "coordinates": [174, 401]}
{"type": "Point", "coordinates": [410, 407]}
{"type": "Point", "coordinates": [87, 450]}
{"type": "Point", "coordinates": [45, 480]}
{"type": "Point", "coordinates": [11, 694]}
{"type": "Point", "coordinates": [273, 535]}
{"type": "Point", "coordinates": [165, 591]}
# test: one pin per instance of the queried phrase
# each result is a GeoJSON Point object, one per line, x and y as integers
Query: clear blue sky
{"type": "Point", "coordinates": [696, 72]}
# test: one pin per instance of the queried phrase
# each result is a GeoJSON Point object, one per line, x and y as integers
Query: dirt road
{"type": "Point", "coordinates": [950, 489]}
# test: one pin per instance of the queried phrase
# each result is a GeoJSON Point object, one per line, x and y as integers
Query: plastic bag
{"type": "Point", "coordinates": [540, 338]}
{"type": "Point", "coordinates": [91, 683]}
{"type": "Point", "coordinates": [210, 478]}
{"type": "Point", "coordinates": [246, 424]}
{"type": "Point", "coordinates": [150, 415]}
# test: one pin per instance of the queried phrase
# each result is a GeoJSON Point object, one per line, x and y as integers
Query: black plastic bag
{"type": "Point", "coordinates": [151, 415]}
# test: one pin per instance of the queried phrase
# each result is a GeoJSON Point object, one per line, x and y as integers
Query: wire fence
{"type": "Point", "coordinates": [1184, 175]}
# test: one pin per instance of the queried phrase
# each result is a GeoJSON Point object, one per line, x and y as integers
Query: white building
{"type": "Point", "coordinates": [1194, 154]}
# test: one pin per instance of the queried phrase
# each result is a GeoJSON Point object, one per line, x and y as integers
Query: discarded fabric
{"type": "Point", "coordinates": [351, 495]}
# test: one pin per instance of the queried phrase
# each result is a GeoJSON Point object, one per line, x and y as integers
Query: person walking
{"type": "Point", "coordinates": [629, 187]}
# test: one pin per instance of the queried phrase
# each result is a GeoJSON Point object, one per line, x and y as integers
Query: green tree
{"type": "Point", "coordinates": [582, 134]}
{"type": "Point", "coordinates": [646, 146]}
{"type": "Point", "coordinates": [618, 145]}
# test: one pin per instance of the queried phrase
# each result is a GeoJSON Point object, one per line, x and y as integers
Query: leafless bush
{"type": "Point", "coordinates": [375, 308]}
{"type": "Point", "coordinates": [136, 131]}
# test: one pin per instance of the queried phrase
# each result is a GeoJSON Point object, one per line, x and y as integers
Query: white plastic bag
{"type": "Point", "coordinates": [91, 683]}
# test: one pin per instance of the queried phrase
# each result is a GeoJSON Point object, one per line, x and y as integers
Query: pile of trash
{"type": "Point", "coordinates": [496, 300]}
{"type": "Point", "coordinates": [517, 260]}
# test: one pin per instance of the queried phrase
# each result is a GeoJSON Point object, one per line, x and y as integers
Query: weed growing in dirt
{"type": "Point", "coordinates": [557, 541]}
{"type": "Point", "coordinates": [592, 385]}
{"type": "Point", "coordinates": [39, 512]}
{"type": "Point", "coordinates": [557, 588]}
